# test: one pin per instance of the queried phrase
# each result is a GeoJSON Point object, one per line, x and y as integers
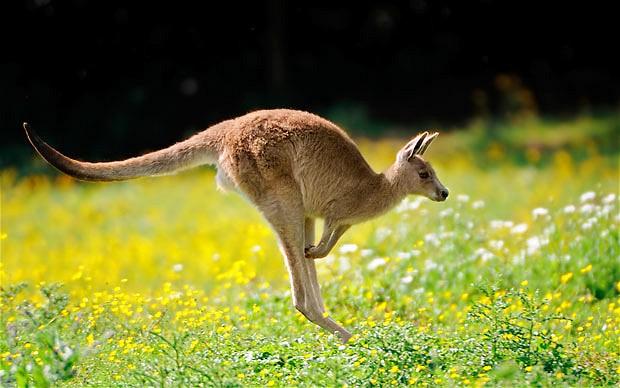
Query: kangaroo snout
{"type": "Point", "coordinates": [440, 195]}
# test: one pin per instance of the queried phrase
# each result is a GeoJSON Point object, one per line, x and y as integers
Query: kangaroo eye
{"type": "Point", "coordinates": [424, 175]}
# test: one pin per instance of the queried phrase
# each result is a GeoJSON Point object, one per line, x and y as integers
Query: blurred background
{"type": "Point", "coordinates": [108, 79]}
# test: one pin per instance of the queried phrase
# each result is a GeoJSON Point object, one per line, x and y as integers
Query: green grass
{"type": "Point", "coordinates": [515, 280]}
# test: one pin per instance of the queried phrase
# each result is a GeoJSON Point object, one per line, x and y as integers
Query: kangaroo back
{"type": "Point", "coordinates": [197, 150]}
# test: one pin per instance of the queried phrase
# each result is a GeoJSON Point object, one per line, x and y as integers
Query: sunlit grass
{"type": "Point", "coordinates": [514, 280]}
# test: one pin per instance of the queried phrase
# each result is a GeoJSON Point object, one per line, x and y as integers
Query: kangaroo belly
{"type": "Point", "coordinates": [223, 180]}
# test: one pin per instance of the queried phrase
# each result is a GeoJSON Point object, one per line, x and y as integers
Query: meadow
{"type": "Point", "coordinates": [514, 280]}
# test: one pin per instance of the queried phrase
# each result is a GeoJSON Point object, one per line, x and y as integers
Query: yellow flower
{"type": "Point", "coordinates": [394, 369]}
{"type": "Point", "coordinates": [528, 368]}
{"type": "Point", "coordinates": [487, 368]}
{"type": "Point", "coordinates": [586, 269]}
{"type": "Point", "coordinates": [524, 283]}
{"type": "Point", "coordinates": [566, 277]}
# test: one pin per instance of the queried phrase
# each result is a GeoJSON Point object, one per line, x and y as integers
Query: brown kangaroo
{"type": "Point", "coordinates": [294, 167]}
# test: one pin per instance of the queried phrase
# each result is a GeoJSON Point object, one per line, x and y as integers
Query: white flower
{"type": "Point", "coordinates": [539, 212]}
{"type": "Point", "coordinates": [256, 248]}
{"type": "Point", "coordinates": [589, 223]}
{"type": "Point", "coordinates": [609, 198]}
{"type": "Point", "coordinates": [432, 239]}
{"type": "Point", "coordinates": [462, 198]}
{"type": "Point", "coordinates": [407, 279]}
{"type": "Point", "coordinates": [519, 228]}
{"type": "Point", "coordinates": [65, 352]}
{"type": "Point", "coordinates": [403, 255]}
{"type": "Point", "coordinates": [606, 210]}
{"type": "Point", "coordinates": [498, 224]}
{"type": "Point", "coordinates": [587, 196]}
{"type": "Point", "coordinates": [483, 254]}
{"type": "Point", "coordinates": [586, 209]}
{"type": "Point", "coordinates": [478, 204]}
{"type": "Point", "coordinates": [430, 264]}
{"type": "Point", "coordinates": [375, 263]}
{"type": "Point", "coordinates": [382, 233]}
{"type": "Point", "coordinates": [534, 244]}
{"type": "Point", "coordinates": [408, 204]}
{"type": "Point", "coordinates": [569, 209]}
{"type": "Point", "coordinates": [446, 212]}
{"type": "Point", "coordinates": [344, 264]}
{"type": "Point", "coordinates": [348, 248]}
{"type": "Point", "coordinates": [366, 252]}
{"type": "Point", "coordinates": [496, 244]}
{"type": "Point", "coordinates": [177, 267]}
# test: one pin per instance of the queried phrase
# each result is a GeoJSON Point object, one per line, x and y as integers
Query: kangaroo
{"type": "Point", "coordinates": [294, 167]}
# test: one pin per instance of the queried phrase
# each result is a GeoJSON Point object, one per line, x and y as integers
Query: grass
{"type": "Point", "coordinates": [514, 280]}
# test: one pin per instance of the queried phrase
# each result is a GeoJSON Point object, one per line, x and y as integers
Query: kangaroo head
{"type": "Point", "coordinates": [415, 175]}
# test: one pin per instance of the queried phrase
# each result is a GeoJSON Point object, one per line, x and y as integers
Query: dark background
{"type": "Point", "coordinates": [107, 79]}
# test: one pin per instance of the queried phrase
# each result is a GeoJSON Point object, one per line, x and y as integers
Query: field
{"type": "Point", "coordinates": [514, 280]}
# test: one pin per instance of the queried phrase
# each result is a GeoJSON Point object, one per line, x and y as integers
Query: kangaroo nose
{"type": "Point", "coordinates": [444, 193]}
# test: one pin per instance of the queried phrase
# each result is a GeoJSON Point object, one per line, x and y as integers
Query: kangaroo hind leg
{"type": "Point", "coordinates": [284, 211]}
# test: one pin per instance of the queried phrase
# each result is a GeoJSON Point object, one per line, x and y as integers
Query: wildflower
{"type": "Point", "coordinates": [366, 252]}
{"type": "Point", "coordinates": [586, 269]}
{"type": "Point", "coordinates": [528, 368]}
{"type": "Point", "coordinates": [430, 265]}
{"type": "Point", "coordinates": [446, 212]}
{"type": "Point", "coordinates": [462, 198]}
{"type": "Point", "coordinates": [539, 212]}
{"type": "Point", "coordinates": [407, 279]}
{"type": "Point", "coordinates": [478, 204]}
{"type": "Point", "coordinates": [534, 244]}
{"type": "Point", "coordinates": [483, 254]}
{"type": "Point", "coordinates": [586, 209]}
{"type": "Point", "coordinates": [566, 277]}
{"type": "Point", "coordinates": [496, 244]}
{"type": "Point", "coordinates": [519, 228]}
{"type": "Point", "coordinates": [587, 196]}
{"type": "Point", "coordinates": [524, 283]}
{"type": "Point", "coordinates": [348, 248]}
{"type": "Point", "coordinates": [394, 369]}
{"type": "Point", "coordinates": [569, 209]}
{"type": "Point", "coordinates": [376, 263]}
{"type": "Point", "coordinates": [177, 267]}
{"type": "Point", "coordinates": [588, 224]}
{"type": "Point", "coordinates": [609, 198]}
{"type": "Point", "coordinates": [487, 368]}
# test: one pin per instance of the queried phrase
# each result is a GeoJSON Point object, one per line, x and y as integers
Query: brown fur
{"type": "Point", "coordinates": [295, 167]}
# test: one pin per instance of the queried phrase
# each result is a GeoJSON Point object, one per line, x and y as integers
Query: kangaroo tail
{"type": "Point", "coordinates": [197, 150]}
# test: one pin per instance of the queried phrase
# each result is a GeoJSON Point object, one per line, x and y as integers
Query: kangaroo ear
{"type": "Point", "coordinates": [412, 148]}
{"type": "Point", "coordinates": [427, 142]}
